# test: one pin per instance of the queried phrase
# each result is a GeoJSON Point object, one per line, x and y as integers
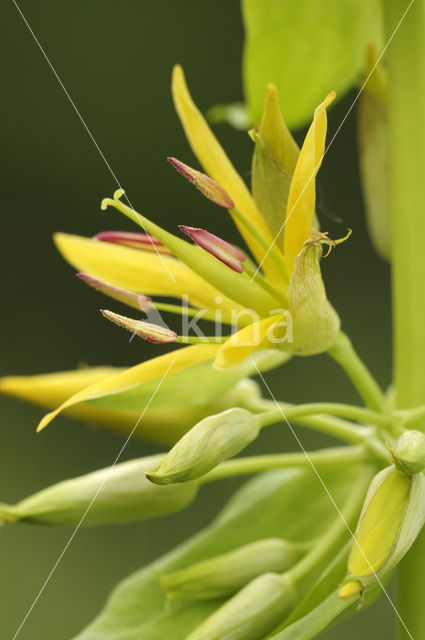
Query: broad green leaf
{"type": "Point", "coordinates": [307, 49]}
{"type": "Point", "coordinates": [290, 503]}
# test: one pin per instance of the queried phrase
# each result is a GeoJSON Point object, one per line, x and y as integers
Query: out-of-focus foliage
{"type": "Point", "coordinates": [307, 49]}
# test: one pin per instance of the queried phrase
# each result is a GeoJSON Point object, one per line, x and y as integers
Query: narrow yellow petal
{"type": "Point", "coordinates": [217, 165]}
{"type": "Point", "coordinates": [51, 389]}
{"type": "Point", "coordinates": [243, 342]}
{"type": "Point", "coordinates": [140, 271]}
{"type": "Point", "coordinates": [151, 369]}
{"type": "Point", "coordinates": [302, 194]}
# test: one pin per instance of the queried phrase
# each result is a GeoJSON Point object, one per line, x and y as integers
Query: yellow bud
{"type": "Point", "coordinates": [350, 588]}
{"type": "Point", "coordinates": [393, 515]}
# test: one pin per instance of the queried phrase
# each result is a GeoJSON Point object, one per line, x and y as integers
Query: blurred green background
{"type": "Point", "coordinates": [115, 60]}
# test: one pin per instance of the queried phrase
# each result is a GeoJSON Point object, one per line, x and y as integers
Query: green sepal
{"type": "Point", "coordinates": [315, 323]}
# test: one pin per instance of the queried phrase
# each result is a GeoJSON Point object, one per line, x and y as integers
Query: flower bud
{"type": "Point", "coordinates": [392, 517]}
{"type": "Point", "coordinates": [250, 614]}
{"type": "Point", "coordinates": [208, 443]}
{"type": "Point", "coordinates": [409, 454]}
{"type": "Point", "coordinates": [225, 574]}
{"type": "Point", "coordinates": [115, 494]}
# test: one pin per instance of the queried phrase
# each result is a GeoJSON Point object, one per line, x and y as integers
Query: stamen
{"type": "Point", "coordinates": [150, 332]}
{"type": "Point", "coordinates": [134, 240]}
{"type": "Point", "coordinates": [206, 185]}
{"type": "Point", "coordinates": [219, 248]}
{"type": "Point", "coordinates": [132, 299]}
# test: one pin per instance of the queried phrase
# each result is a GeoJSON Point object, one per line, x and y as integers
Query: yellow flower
{"type": "Point", "coordinates": [276, 301]}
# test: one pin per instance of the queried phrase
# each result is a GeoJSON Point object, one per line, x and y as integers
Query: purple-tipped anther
{"type": "Point", "coordinates": [219, 248]}
{"type": "Point", "coordinates": [150, 332]}
{"type": "Point", "coordinates": [206, 185]}
{"type": "Point", "coordinates": [132, 299]}
{"type": "Point", "coordinates": [135, 240]}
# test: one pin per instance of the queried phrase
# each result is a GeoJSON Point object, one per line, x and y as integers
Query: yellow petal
{"type": "Point", "coordinates": [243, 342]}
{"type": "Point", "coordinates": [150, 370]}
{"type": "Point", "coordinates": [218, 166]}
{"type": "Point", "coordinates": [140, 271]}
{"type": "Point", "coordinates": [302, 194]}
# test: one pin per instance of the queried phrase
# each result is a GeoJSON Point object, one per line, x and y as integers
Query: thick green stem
{"type": "Point", "coordinates": [342, 351]}
{"type": "Point", "coordinates": [406, 96]}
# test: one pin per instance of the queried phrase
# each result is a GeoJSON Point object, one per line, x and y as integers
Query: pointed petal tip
{"type": "Point", "coordinates": [206, 185]}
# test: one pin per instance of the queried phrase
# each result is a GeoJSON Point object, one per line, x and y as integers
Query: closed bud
{"type": "Point", "coordinates": [208, 443]}
{"type": "Point", "coordinates": [116, 494]}
{"type": "Point", "coordinates": [252, 613]}
{"type": "Point", "coordinates": [225, 574]}
{"type": "Point", "coordinates": [391, 519]}
{"type": "Point", "coordinates": [409, 454]}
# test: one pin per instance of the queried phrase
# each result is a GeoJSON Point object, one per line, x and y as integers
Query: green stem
{"type": "Point", "coordinates": [332, 426]}
{"type": "Point", "coordinates": [334, 409]}
{"type": "Point", "coordinates": [310, 567]}
{"type": "Point", "coordinates": [406, 108]}
{"type": "Point", "coordinates": [342, 351]}
{"type": "Point", "coordinates": [323, 459]}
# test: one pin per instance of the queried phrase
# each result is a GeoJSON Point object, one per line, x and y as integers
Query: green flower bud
{"type": "Point", "coordinates": [208, 443]}
{"type": "Point", "coordinates": [225, 574]}
{"type": "Point", "coordinates": [120, 494]}
{"type": "Point", "coordinates": [409, 454]}
{"type": "Point", "coordinates": [251, 613]}
{"type": "Point", "coordinates": [392, 517]}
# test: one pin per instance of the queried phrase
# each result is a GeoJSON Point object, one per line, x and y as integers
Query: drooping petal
{"type": "Point", "coordinates": [146, 330]}
{"type": "Point", "coordinates": [222, 250]}
{"type": "Point", "coordinates": [133, 239]}
{"type": "Point", "coordinates": [243, 342]}
{"type": "Point", "coordinates": [302, 193]}
{"type": "Point", "coordinates": [140, 271]}
{"type": "Point", "coordinates": [218, 166]}
{"type": "Point", "coordinates": [135, 300]}
{"type": "Point", "coordinates": [157, 368]}
{"type": "Point", "coordinates": [208, 187]}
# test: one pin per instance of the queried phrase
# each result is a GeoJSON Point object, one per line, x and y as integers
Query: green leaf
{"type": "Point", "coordinates": [290, 503]}
{"type": "Point", "coordinates": [307, 49]}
